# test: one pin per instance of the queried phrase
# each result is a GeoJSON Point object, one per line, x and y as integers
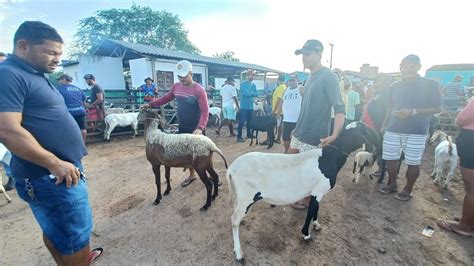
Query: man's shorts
{"type": "Point", "coordinates": [465, 147]}
{"type": "Point", "coordinates": [412, 145]}
{"type": "Point", "coordinates": [229, 113]}
{"type": "Point", "coordinates": [301, 146]}
{"type": "Point", "coordinates": [81, 121]}
{"type": "Point", "coordinates": [287, 129]}
{"type": "Point", "coordinates": [64, 214]}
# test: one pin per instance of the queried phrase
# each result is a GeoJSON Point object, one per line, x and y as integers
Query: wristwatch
{"type": "Point", "coordinates": [413, 112]}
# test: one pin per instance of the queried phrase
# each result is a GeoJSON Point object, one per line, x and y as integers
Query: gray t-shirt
{"type": "Point", "coordinates": [321, 93]}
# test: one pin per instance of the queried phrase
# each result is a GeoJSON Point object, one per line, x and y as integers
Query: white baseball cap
{"type": "Point", "coordinates": [183, 67]}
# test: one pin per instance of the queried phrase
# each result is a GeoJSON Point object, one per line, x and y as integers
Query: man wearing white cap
{"type": "Point", "coordinates": [191, 100]}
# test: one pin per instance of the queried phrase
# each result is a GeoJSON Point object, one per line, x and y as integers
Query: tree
{"type": "Point", "coordinates": [229, 55]}
{"type": "Point", "coordinates": [135, 25]}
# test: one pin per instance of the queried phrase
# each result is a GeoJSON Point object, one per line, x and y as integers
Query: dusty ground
{"type": "Point", "coordinates": [360, 226]}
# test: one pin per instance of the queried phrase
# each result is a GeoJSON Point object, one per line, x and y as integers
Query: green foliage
{"type": "Point", "coordinates": [53, 78]}
{"type": "Point", "coordinates": [229, 55]}
{"type": "Point", "coordinates": [135, 25]}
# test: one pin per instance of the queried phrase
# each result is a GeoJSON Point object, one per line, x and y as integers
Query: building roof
{"type": "Point", "coordinates": [451, 67]}
{"type": "Point", "coordinates": [129, 51]}
{"type": "Point", "coordinates": [65, 63]}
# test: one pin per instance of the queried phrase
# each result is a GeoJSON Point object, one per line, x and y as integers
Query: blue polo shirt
{"type": "Point", "coordinates": [74, 98]}
{"type": "Point", "coordinates": [248, 90]}
{"type": "Point", "coordinates": [148, 90]}
{"type": "Point", "coordinates": [44, 114]}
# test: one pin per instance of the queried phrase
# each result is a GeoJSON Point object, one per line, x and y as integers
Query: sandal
{"type": "Point", "coordinates": [403, 197]}
{"type": "Point", "coordinates": [451, 226]}
{"type": "Point", "coordinates": [95, 254]}
{"type": "Point", "coordinates": [187, 181]}
{"type": "Point", "coordinates": [387, 190]}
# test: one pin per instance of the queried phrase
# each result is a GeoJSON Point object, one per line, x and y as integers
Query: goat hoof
{"type": "Point", "coordinates": [156, 202]}
{"type": "Point", "coordinates": [214, 197]}
{"type": "Point", "coordinates": [240, 261]}
{"type": "Point", "coordinates": [307, 238]}
{"type": "Point", "coordinates": [204, 208]}
{"type": "Point", "coordinates": [167, 192]}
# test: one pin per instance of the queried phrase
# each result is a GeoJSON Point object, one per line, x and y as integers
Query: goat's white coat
{"type": "Point", "coordinates": [179, 145]}
{"type": "Point", "coordinates": [360, 158]}
{"type": "Point", "coordinates": [120, 120]}
{"type": "Point", "coordinates": [290, 178]}
{"type": "Point", "coordinates": [258, 107]}
{"type": "Point", "coordinates": [443, 158]}
{"type": "Point", "coordinates": [216, 111]}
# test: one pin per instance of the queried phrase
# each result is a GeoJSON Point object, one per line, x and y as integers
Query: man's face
{"type": "Point", "coordinates": [43, 57]}
{"type": "Point", "coordinates": [90, 82]}
{"type": "Point", "coordinates": [63, 81]}
{"type": "Point", "coordinates": [186, 80]}
{"type": "Point", "coordinates": [250, 76]}
{"type": "Point", "coordinates": [311, 59]}
{"type": "Point", "coordinates": [2, 58]}
{"type": "Point", "coordinates": [293, 83]}
{"type": "Point", "coordinates": [409, 69]}
{"type": "Point", "coordinates": [148, 82]}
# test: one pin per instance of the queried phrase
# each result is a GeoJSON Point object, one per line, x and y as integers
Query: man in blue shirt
{"type": "Point", "coordinates": [46, 143]}
{"type": "Point", "coordinates": [149, 89]}
{"type": "Point", "coordinates": [412, 102]}
{"type": "Point", "coordinates": [248, 91]}
{"type": "Point", "coordinates": [75, 100]}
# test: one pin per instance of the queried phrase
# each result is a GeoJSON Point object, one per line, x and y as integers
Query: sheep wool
{"type": "Point", "coordinates": [179, 145]}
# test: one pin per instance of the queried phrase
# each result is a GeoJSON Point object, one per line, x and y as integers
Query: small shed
{"type": "Point", "coordinates": [446, 73]}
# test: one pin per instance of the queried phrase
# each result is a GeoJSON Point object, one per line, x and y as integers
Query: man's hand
{"type": "Point", "coordinates": [402, 114]}
{"type": "Point", "coordinates": [65, 171]}
{"type": "Point", "coordinates": [197, 131]}
{"type": "Point", "coordinates": [146, 105]}
{"type": "Point", "coordinates": [327, 140]}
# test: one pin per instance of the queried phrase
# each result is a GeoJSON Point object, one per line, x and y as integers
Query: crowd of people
{"type": "Point", "coordinates": [44, 128]}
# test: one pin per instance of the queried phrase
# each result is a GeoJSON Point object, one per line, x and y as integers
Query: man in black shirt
{"type": "Point", "coordinates": [97, 96]}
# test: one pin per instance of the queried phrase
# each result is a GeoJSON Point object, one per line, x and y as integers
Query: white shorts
{"type": "Point", "coordinates": [301, 146]}
{"type": "Point", "coordinates": [411, 144]}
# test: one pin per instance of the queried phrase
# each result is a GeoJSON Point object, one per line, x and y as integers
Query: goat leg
{"type": "Point", "coordinates": [205, 179]}
{"type": "Point", "coordinates": [156, 171]}
{"type": "Point", "coordinates": [313, 205]}
{"type": "Point", "coordinates": [168, 185]}
{"type": "Point", "coordinates": [215, 181]}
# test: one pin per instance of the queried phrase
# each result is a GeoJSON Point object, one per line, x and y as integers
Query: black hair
{"type": "Point", "coordinates": [36, 32]}
{"type": "Point", "coordinates": [2, 54]}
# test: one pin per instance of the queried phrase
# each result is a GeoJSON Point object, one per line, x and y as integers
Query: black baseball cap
{"type": "Point", "coordinates": [311, 46]}
{"type": "Point", "coordinates": [230, 79]}
{"type": "Point", "coordinates": [412, 58]}
{"type": "Point", "coordinates": [89, 76]}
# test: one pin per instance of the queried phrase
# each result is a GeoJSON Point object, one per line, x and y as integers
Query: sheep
{"type": "Point", "coordinates": [181, 150]}
{"type": "Point", "coordinates": [121, 120]}
{"type": "Point", "coordinates": [291, 177]}
{"type": "Point", "coordinates": [216, 113]}
{"type": "Point", "coordinates": [265, 124]}
{"type": "Point", "coordinates": [363, 160]}
{"type": "Point", "coordinates": [258, 108]}
{"type": "Point", "coordinates": [445, 157]}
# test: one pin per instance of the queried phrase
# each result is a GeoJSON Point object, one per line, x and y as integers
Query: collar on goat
{"type": "Point", "coordinates": [343, 152]}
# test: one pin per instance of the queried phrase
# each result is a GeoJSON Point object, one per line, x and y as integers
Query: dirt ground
{"type": "Point", "coordinates": [360, 225]}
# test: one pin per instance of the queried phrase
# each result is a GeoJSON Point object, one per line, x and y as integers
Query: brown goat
{"type": "Point", "coordinates": [179, 150]}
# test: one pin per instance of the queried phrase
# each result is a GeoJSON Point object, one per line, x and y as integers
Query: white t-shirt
{"type": "Point", "coordinates": [291, 104]}
{"type": "Point", "coordinates": [227, 94]}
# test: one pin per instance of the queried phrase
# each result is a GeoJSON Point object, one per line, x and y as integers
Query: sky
{"type": "Point", "coordinates": [267, 32]}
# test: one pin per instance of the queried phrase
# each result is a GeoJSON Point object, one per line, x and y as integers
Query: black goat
{"type": "Point", "coordinates": [265, 124]}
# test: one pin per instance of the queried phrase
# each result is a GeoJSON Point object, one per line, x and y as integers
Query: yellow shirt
{"type": "Point", "coordinates": [278, 93]}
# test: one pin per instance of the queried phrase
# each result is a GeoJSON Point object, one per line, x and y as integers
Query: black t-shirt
{"type": "Point", "coordinates": [378, 106]}
{"type": "Point", "coordinates": [96, 89]}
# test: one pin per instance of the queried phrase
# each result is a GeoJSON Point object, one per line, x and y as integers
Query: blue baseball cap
{"type": "Point", "coordinates": [311, 46]}
{"type": "Point", "coordinates": [412, 58]}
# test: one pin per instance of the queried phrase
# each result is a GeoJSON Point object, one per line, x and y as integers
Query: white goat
{"type": "Point", "coordinates": [120, 120]}
{"type": "Point", "coordinates": [445, 157]}
{"type": "Point", "coordinates": [363, 162]}
{"type": "Point", "coordinates": [290, 178]}
{"type": "Point", "coordinates": [258, 108]}
{"type": "Point", "coordinates": [216, 112]}
{"type": "Point", "coordinates": [109, 111]}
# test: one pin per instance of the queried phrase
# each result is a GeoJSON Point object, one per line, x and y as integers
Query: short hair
{"type": "Point", "coordinates": [2, 54]}
{"type": "Point", "coordinates": [36, 32]}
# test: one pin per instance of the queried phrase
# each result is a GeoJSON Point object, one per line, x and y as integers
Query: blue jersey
{"type": "Point", "coordinates": [148, 90]}
{"type": "Point", "coordinates": [74, 98]}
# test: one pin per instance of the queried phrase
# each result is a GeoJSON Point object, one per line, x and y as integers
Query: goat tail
{"type": "Point", "coordinates": [222, 156]}
{"type": "Point", "coordinates": [450, 141]}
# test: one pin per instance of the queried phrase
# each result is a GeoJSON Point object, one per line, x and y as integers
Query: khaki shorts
{"type": "Point", "coordinates": [301, 146]}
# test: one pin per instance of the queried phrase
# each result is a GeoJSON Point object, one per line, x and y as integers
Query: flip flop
{"type": "Point", "coordinates": [387, 190]}
{"type": "Point", "coordinates": [95, 254]}
{"type": "Point", "coordinates": [299, 206]}
{"type": "Point", "coordinates": [403, 197]}
{"type": "Point", "coordinates": [187, 182]}
{"type": "Point", "coordinates": [451, 226]}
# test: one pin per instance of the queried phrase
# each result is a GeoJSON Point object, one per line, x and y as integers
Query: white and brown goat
{"type": "Point", "coordinates": [445, 157]}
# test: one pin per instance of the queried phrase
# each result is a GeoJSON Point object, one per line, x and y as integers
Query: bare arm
{"type": "Point", "coordinates": [236, 102]}
{"type": "Point", "coordinates": [19, 141]}
{"type": "Point", "coordinates": [277, 105]}
{"type": "Point", "coordinates": [338, 124]}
